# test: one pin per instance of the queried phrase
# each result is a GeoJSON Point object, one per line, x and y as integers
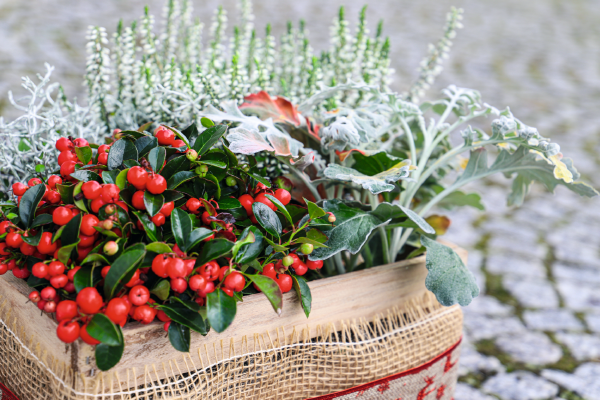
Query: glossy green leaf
{"type": "Point", "coordinates": [227, 203]}
{"type": "Point", "coordinates": [316, 235]}
{"type": "Point", "coordinates": [314, 210]}
{"type": "Point", "coordinates": [77, 193]}
{"type": "Point", "coordinates": [41, 219]}
{"type": "Point", "coordinates": [24, 145]}
{"type": "Point", "coordinates": [220, 310]}
{"type": "Point", "coordinates": [207, 123]}
{"type": "Point", "coordinates": [303, 292]}
{"type": "Point", "coordinates": [120, 150]}
{"type": "Point", "coordinates": [149, 227]}
{"type": "Point", "coordinates": [185, 316]}
{"type": "Point", "coordinates": [66, 193]}
{"type": "Point", "coordinates": [208, 138]}
{"type": "Point", "coordinates": [180, 337]}
{"type": "Point", "coordinates": [84, 278]}
{"type": "Point", "coordinates": [162, 289]}
{"type": "Point", "coordinates": [85, 176]}
{"type": "Point", "coordinates": [179, 135]}
{"type": "Point", "coordinates": [159, 248]}
{"type": "Point", "coordinates": [315, 243]}
{"type": "Point", "coordinates": [122, 269]}
{"type": "Point", "coordinates": [84, 154]}
{"type": "Point", "coordinates": [267, 218]}
{"type": "Point", "coordinates": [156, 158]}
{"type": "Point", "coordinates": [179, 178]}
{"type": "Point", "coordinates": [65, 252]}
{"type": "Point", "coordinates": [180, 163]}
{"type": "Point", "coordinates": [181, 226]}
{"type": "Point", "coordinates": [40, 168]}
{"type": "Point", "coordinates": [233, 161]}
{"type": "Point", "coordinates": [192, 305]}
{"type": "Point", "coordinates": [153, 202]}
{"type": "Point", "coordinates": [171, 195]}
{"type": "Point", "coordinates": [121, 180]}
{"type": "Point", "coordinates": [214, 181]}
{"type": "Point", "coordinates": [95, 258]}
{"type": "Point", "coordinates": [214, 249]}
{"type": "Point", "coordinates": [145, 144]}
{"type": "Point", "coordinates": [248, 238]}
{"type": "Point", "coordinates": [249, 252]}
{"type": "Point", "coordinates": [281, 208]}
{"type": "Point", "coordinates": [71, 232]}
{"type": "Point", "coordinates": [147, 125]}
{"type": "Point", "coordinates": [33, 240]}
{"type": "Point", "coordinates": [375, 163]}
{"type": "Point", "coordinates": [215, 163]}
{"type": "Point", "coordinates": [196, 237]}
{"type": "Point", "coordinates": [109, 356]}
{"type": "Point", "coordinates": [271, 289]}
{"type": "Point", "coordinates": [29, 203]}
{"type": "Point", "coordinates": [103, 329]}
{"type": "Point", "coordinates": [448, 277]}
{"type": "Point", "coordinates": [110, 177]}
{"type": "Point", "coordinates": [257, 178]}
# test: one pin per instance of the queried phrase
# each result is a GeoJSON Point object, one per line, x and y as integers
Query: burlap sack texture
{"type": "Point", "coordinates": [275, 365]}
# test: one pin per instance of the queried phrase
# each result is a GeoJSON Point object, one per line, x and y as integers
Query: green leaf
{"type": "Point", "coordinates": [316, 235]}
{"type": "Point", "coordinates": [375, 163]}
{"type": "Point", "coordinates": [179, 178]}
{"type": "Point", "coordinates": [213, 180]}
{"type": "Point", "coordinates": [180, 337]}
{"type": "Point", "coordinates": [95, 257]}
{"type": "Point", "coordinates": [33, 240]}
{"type": "Point", "coordinates": [382, 182]}
{"type": "Point", "coordinates": [149, 227]}
{"type": "Point", "coordinates": [220, 309]}
{"type": "Point", "coordinates": [183, 315]}
{"type": "Point", "coordinates": [40, 168]}
{"type": "Point", "coordinates": [147, 125]}
{"type": "Point", "coordinates": [352, 228]}
{"type": "Point", "coordinates": [29, 203]}
{"type": "Point", "coordinates": [110, 177]}
{"type": "Point", "coordinates": [228, 203]}
{"type": "Point", "coordinates": [103, 329]}
{"type": "Point", "coordinates": [159, 248]}
{"type": "Point", "coordinates": [153, 202]}
{"type": "Point", "coordinates": [120, 150]}
{"type": "Point", "coordinates": [303, 292]}
{"type": "Point", "coordinates": [122, 269]}
{"type": "Point", "coordinates": [71, 233]}
{"type": "Point", "coordinates": [233, 161]}
{"type": "Point", "coordinates": [109, 356]}
{"type": "Point", "coordinates": [64, 253]}
{"type": "Point", "coordinates": [257, 178]}
{"type": "Point", "coordinates": [121, 180]}
{"type": "Point", "coordinates": [271, 289]}
{"type": "Point", "coordinates": [180, 163]}
{"type": "Point", "coordinates": [247, 239]}
{"type": "Point", "coordinates": [81, 202]}
{"type": "Point", "coordinates": [207, 123]}
{"type": "Point", "coordinates": [448, 278]}
{"type": "Point", "coordinates": [171, 195]}
{"type": "Point", "coordinates": [24, 145]}
{"type": "Point", "coordinates": [267, 218]}
{"type": "Point", "coordinates": [249, 252]}
{"type": "Point", "coordinates": [84, 278]}
{"type": "Point", "coordinates": [459, 199]}
{"type": "Point", "coordinates": [84, 154]}
{"type": "Point", "coordinates": [315, 243]}
{"type": "Point", "coordinates": [314, 211]}
{"type": "Point", "coordinates": [196, 237]}
{"type": "Point", "coordinates": [41, 219]}
{"type": "Point", "coordinates": [192, 305]}
{"type": "Point", "coordinates": [214, 249]}
{"type": "Point", "coordinates": [275, 246]}
{"type": "Point", "coordinates": [85, 176]}
{"type": "Point", "coordinates": [281, 208]}
{"type": "Point", "coordinates": [179, 135]}
{"type": "Point", "coordinates": [156, 158]}
{"type": "Point", "coordinates": [145, 144]}
{"type": "Point", "coordinates": [162, 289]}
{"type": "Point", "coordinates": [66, 193]}
{"type": "Point", "coordinates": [215, 163]}
{"type": "Point", "coordinates": [393, 212]}
{"type": "Point", "coordinates": [208, 138]}
{"type": "Point", "coordinates": [181, 225]}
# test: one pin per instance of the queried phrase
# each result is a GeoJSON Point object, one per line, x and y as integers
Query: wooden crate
{"type": "Point", "coordinates": [357, 295]}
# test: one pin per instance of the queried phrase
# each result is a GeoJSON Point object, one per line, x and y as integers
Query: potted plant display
{"type": "Point", "coordinates": [229, 219]}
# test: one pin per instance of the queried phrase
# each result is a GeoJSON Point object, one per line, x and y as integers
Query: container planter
{"type": "Point", "coordinates": [396, 332]}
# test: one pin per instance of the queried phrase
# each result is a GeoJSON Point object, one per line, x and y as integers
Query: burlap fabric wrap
{"type": "Point", "coordinates": [275, 365]}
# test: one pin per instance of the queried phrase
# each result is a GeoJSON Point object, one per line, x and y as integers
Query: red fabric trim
{"type": "Point", "coordinates": [390, 378]}
{"type": "Point", "coordinates": [6, 394]}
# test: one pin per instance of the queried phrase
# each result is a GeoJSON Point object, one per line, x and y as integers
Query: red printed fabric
{"type": "Point", "coordinates": [434, 380]}
{"type": "Point", "coordinates": [6, 394]}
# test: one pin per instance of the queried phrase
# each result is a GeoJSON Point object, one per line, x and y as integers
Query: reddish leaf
{"type": "Point", "coordinates": [277, 108]}
{"type": "Point", "coordinates": [227, 235]}
{"type": "Point", "coordinates": [209, 207]}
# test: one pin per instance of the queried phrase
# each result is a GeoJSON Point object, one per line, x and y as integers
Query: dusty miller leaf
{"type": "Point", "coordinates": [381, 182]}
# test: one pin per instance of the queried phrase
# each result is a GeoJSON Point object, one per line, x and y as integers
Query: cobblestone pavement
{"type": "Point", "coordinates": [534, 333]}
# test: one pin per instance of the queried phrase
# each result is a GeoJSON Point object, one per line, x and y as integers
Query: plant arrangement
{"type": "Point", "coordinates": [314, 168]}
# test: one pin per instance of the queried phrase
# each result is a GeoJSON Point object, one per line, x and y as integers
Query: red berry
{"type": "Point", "coordinates": [176, 268]}
{"type": "Point", "coordinates": [48, 293]}
{"type": "Point", "coordinates": [162, 316]}
{"type": "Point", "coordinates": [56, 268]}
{"type": "Point", "coordinates": [12, 264]}
{"type": "Point", "coordinates": [66, 310]}
{"type": "Point", "coordinates": [122, 205]}
{"type": "Point", "coordinates": [103, 148]}
{"type": "Point", "coordinates": [193, 205]}
{"type": "Point", "coordinates": [178, 143]}
{"type": "Point", "coordinates": [72, 272]}
{"type": "Point", "coordinates": [68, 331]}
{"type": "Point", "coordinates": [14, 240]}
{"type": "Point", "coordinates": [164, 135]}
{"type": "Point", "coordinates": [159, 265]}
{"type": "Point", "coordinates": [190, 263]}
{"type": "Point", "coordinates": [285, 282]}
{"type": "Point", "coordinates": [228, 291]}
{"type": "Point", "coordinates": [314, 264]}
{"type": "Point", "coordinates": [283, 196]}
{"type": "Point", "coordinates": [54, 180]}
{"type": "Point", "coordinates": [261, 198]}
{"type": "Point", "coordinates": [59, 281]}
{"type": "Point", "coordinates": [46, 246]}
{"type": "Point", "coordinates": [91, 190]}
{"type": "Point", "coordinates": [209, 288]}
{"type": "Point", "coordinates": [53, 197]}
{"type": "Point", "coordinates": [156, 184]}
{"type": "Point", "coordinates": [110, 193]}
{"type": "Point", "coordinates": [269, 270]}
{"type": "Point", "coordinates": [103, 158]}
{"type": "Point", "coordinates": [179, 285]}
{"type": "Point", "coordinates": [89, 300]}
{"type": "Point", "coordinates": [34, 181]}
{"type": "Point", "coordinates": [4, 225]}
{"type": "Point", "coordinates": [63, 144]}
{"type": "Point", "coordinates": [197, 282]}
{"type": "Point", "coordinates": [88, 222]}
{"type": "Point", "coordinates": [210, 271]}
{"type": "Point", "coordinates": [166, 326]}
{"type": "Point", "coordinates": [235, 281]}
{"type": "Point", "coordinates": [65, 156]}
{"type": "Point", "coordinates": [61, 216]}
{"type": "Point", "coordinates": [167, 208]}
{"type": "Point", "coordinates": [139, 295]}
{"type": "Point", "coordinates": [300, 268]}
{"type": "Point", "coordinates": [200, 301]}
{"type": "Point", "coordinates": [144, 314]}
{"type": "Point", "coordinates": [158, 219]}
{"type": "Point", "coordinates": [27, 249]}
{"type": "Point", "coordinates": [138, 177]}
{"type": "Point", "coordinates": [97, 204]}
{"type": "Point", "coordinates": [21, 273]}
{"type": "Point", "coordinates": [3, 268]}
{"type": "Point", "coordinates": [117, 310]}
{"type": "Point", "coordinates": [135, 279]}
{"type": "Point", "coordinates": [34, 296]}
{"type": "Point", "coordinates": [178, 251]}
{"type": "Point", "coordinates": [39, 270]}
{"type": "Point", "coordinates": [137, 200]}
{"type": "Point", "coordinates": [85, 336]}
{"type": "Point", "coordinates": [67, 168]}
{"type": "Point", "coordinates": [247, 201]}
{"type": "Point", "coordinates": [70, 287]}
{"type": "Point", "coordinates": [80, 142]}
{"type": "Point", "coordinates": [86, 241]}
{"type": "Point", "coordinates": [104, 271]}
{"type": "Point", "coordinates": [19, 188]}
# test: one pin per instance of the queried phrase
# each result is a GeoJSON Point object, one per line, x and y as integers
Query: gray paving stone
{"type": "Point", "coordinates": [584, 380]}
{"type": "Point", "coordinates": [502, 244]}
{"type": "Point", "coordinates": [481, 327]}
{"type": "Point", "coordinates": [575, 273]}
{"type": "Point", "coordinates": [472, 361]}
{"type": "Point", "coordinates": [488, 305]}
{"type": "Point", "coordinates": [552, 320]}
{"type": "Point", "coordinates": [593, 321]}
{"type": "Point", "coordinates": [578, 253]}
{"type": "Point", "coordinates": [530, 348]}
{"type": "Point", "coordinates": [583, 346]}
{"type": "Point", "coordinates": [514, 264]}
{"type": "Point", "coordinates": [520, 385]}
{"type": "Point", "coordinates": [466, 392]}
{"type": "Point", "coordinates": [532, 293]}
{"type": "Point", "coordinates": [580, 296]}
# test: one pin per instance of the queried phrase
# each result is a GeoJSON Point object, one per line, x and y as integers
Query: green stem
{"type": "Point", "coordinates": [339, 264]}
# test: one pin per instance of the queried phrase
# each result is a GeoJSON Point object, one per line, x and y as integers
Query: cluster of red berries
{"type": "Point", "coordinates": [292, 263]}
